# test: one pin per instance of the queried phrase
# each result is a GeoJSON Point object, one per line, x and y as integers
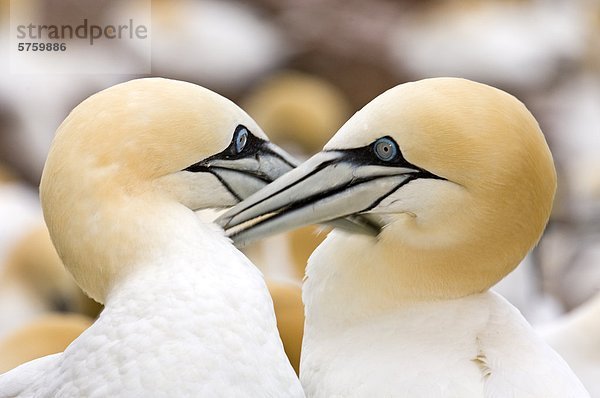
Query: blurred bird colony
{"type": "Point", "coordinates": [301, 69]}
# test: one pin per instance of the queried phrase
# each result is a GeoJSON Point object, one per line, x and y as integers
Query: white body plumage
{"type": "Point", "coordinates": [197, 320]}
{"type": "Point", "coordinates": [476, 346]}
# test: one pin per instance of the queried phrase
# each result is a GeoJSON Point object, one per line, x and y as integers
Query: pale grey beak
{"type": "Point", "coordinates": [246, 172]}
{"type": "Point", "coordinates": [328, 186]}
{"type": "Point", "coordinates": [244, 176]}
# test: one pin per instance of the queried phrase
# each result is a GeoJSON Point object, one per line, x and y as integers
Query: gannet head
{"type": "Point", "coordinates": [127, 153]}
{"type": "Point", "coordinates": [458, 174]}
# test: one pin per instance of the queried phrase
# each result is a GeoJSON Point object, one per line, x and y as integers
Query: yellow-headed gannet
{"type": "Point", "coordinates": [186, 314]}
{"type": "Point", "coordinates": [456, 182]}
{"type": "Point", "coordinates": [289, 311]}
{"type": "Point", "coordinates": [33, 281]}
{"type": "Point", "coordinates": [299, 111]}
{"type": "Point", "coordinates": [45, 335]}
{"type": "Point", "coordinates": [5, 175]}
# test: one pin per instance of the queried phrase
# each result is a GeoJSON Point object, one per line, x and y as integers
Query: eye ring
{"type": "Point", "coordinates": [241, 140]}
{"type": "Point", "coordinates": [385, 149]}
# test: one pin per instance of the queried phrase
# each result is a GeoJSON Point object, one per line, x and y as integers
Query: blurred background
{"type": "Point", "coordinates": [303, 67]}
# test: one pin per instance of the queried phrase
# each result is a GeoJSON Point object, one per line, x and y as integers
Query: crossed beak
{"type": "Point", "coordinates": [332, 187]}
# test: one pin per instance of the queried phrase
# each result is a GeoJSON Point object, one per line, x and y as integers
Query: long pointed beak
{"type": "Point", "coordinates": [328, 186]}
{"type": "Point", "coordinates": [244, 176]}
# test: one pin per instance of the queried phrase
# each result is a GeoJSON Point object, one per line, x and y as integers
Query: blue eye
{"type": "Point", "coordinates": [241, 139]}
{"type": "Point", "coordinates": [385, 149]}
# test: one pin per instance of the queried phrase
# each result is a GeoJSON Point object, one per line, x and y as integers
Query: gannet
{"type": "Point", "coordinates": [299, 111]}
{"type": "Point", "coordinates": [525, 289]}
{"type": "Point", "coordinates": [186, 314]}
{"type": "Point", "coordinates": [194, 30]}
{"type": "Point", "coordinates": [576, 337]}
{"type": "Point", "coordinates": [536, 39]}
{"type": "Point", "coordinates": [33, 281]}
{"type": "Point", "coordinates": [5, 175]}
{"type": "Point", "coordinates": [571, 249]}
{"type": "Point", "coordinates": [48, 334]}
{"type": "Point", "coordinates": [32, 277]}
{"type": "Point", "coordinates": [19, 211]}
{"type": "Point", "coordinates": [455, 180]}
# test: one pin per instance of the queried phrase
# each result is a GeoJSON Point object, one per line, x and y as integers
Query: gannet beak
{"type": "Point", "coordinates": [328, 186]}
{"type": "Point", "coordinates": [248, 171]}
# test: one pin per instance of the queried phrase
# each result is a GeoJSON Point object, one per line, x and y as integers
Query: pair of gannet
{"type": "Point", "coordinates": [186, 314]}
{"type": "Point", "coordinates": [456, 181]}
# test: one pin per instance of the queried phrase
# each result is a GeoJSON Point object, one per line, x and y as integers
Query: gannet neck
{"type": "Point", "coordinates": [116, 232]}
{"type": "Point", "coordinates": [374, 276]}
{"type": "Point", "coordinates": [177, 246]}
{"type": "Point", "coordinates": [474, 346]}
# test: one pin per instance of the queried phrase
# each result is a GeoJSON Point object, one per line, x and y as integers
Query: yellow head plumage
{"type": "Point", "coordinates": [133, 150]}
{"type": "Point", "coordinates": [499, 182]}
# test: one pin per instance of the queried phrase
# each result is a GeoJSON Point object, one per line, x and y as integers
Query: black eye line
{"type": "Point", "coordinates": [364, 156]}
{"type": "Point", "coordinates": [251, 149]}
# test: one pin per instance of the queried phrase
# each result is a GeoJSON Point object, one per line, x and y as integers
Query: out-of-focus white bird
{"type": "Point", "coordinates": [571, 251]}
{"type": "Point", "coordinates": [225, 44]}
{"type": "Point", "coordinates": [457, 183]}
{"type": "Point", "coordinates": [186, 314]}
{"type": "Point", "coordinates": [42, 89]}
{"type": "Point", "coordinates": [576, 336]}
{"type": "Point", "coordinates": [515, 44]}
{"type": "Point", "coordinates": [19, 211]}
{"type": "Point", "coordinates": [574, 125]}
{"type": "Point", "coordinates": [524, 288]}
